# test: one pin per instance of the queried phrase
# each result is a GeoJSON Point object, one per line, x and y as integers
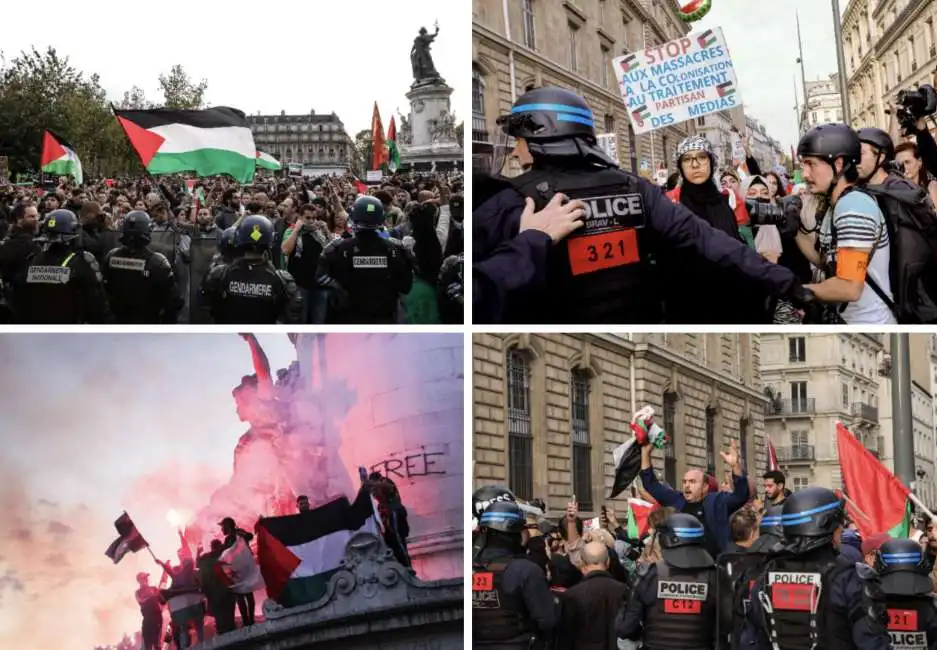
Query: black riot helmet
{"type": "Point", "coordinates": [367, 213]}
{"type": "Point", "coordinates": [880, 140]}
{"type": "Point", "coordinates": [901, 565]}
{"type": "Point", "coordinates": [810, 517]}
{"type": "Point", "coordinates": [226, 241]}
{"type": "Point", "coordinates": [829, 142]}
{"type": "Point", "coordinates": [771, 522]}
{"type": "Point", "coordinates": [60, 226]}
{"type": "Point", "coordinates": [681, 542]}
{"type": "Point", "coordinates": [254, 233]}
{"type": "Point", "coordinates": [137, 228]}
{"type": "Point", "coordinates": [503, 517]}
{"type": "Point", "coordinates": [487, 495]}
{"type": "Point", "coordinates": [556, 124]}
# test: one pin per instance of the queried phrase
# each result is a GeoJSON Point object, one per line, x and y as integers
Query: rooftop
{"type": "Point", "coordinates": [283, 118]}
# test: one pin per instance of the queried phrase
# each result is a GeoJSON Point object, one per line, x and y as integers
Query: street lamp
{"type": "Point", "coordinates": [841, 62]}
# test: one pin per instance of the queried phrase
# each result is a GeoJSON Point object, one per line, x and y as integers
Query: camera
{"type": "Point", "coordinates": [764, 214]}
{"type": "Point", "coordinates": [914, 105]}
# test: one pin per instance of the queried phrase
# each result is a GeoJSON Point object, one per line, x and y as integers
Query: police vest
{"type": "Point", "coordinates": [251, 293]}
{"type": "Point", "coordinates": [50, 295]}
{"type": "Point", "coordinates": [128, 286]}
{"type": "Point", "coordinates": [683, 615]}
{"type": "Point", "coordinates": [601, 273]}
{"type": "Point", "coordinates": [743, 570]}
{"type": "Point", "coordinates": [909, 619]}
{"type": "Point", "coordinates": [795, 599]}
{"type": "Point", "coordinates": [369, 267]}
{"type": "Point", "coordinates": [496, 615]}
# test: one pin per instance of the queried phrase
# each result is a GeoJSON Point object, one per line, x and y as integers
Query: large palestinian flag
{"type": "Point", "coordinates": [299, 553]}
{"type": "Point", "coordinates": [267, 161]}
{"type": "Point", "coordinates": [59, 157]}
{"type": "Point", "coordinates": [210, 142]}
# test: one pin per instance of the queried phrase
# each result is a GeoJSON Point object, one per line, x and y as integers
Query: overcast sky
{"type": "Point", "coordinates": [762, 38]}
{"type": "Point", "coordinates": [91, 425]}
{"type": "Point", "coordinates": [267, 57]}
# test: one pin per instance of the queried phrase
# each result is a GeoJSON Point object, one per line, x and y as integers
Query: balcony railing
{"type": "Point", "coordinates": [865, 412]}
{"type": "Point", "coordinates": [788, 408]}
{"type": "Point", "coordinates": [796, 454]}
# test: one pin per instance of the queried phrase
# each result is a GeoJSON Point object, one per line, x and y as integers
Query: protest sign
{"type": "Point", "coordinates": [664, 85]}
{"type": "Point", "coordinates": [374, 176]}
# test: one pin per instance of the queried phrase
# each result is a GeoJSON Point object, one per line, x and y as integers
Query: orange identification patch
{"type": "Point", "coordinates": [673, 606]}
{"type": "Point", "coordinates": [851, 264]}
{"type": "Point", "coordinates": [603, 251]}
{"type": "Point", "coordinates": [483, 581]}
{"type": "Point", "coordinates": [902, 620]}
{"type": "Point", "coordinates": [792, 597]}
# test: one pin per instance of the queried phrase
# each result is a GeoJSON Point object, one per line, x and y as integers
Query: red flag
{"type": "Point", "coordinates": [640, 511]}
{"type": "Point", "coordinates": [871, 487]}
{"type": "Point", "coordinates": [378, 143]}
{"type": "Point", "coordinates": [360, 187]}
{"type": "Point", "coordinates": [771, 457]}
{"type": "Point", "coordinates": [392, 130]}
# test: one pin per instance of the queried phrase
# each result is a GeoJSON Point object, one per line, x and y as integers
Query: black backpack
{"type": "Point", "coordinates": [912, 230]}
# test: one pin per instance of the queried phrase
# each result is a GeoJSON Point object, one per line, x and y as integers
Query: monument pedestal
{"type": "Point", "coordinates": [432, 129]}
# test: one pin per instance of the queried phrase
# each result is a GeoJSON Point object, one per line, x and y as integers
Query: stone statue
{"type": "Point", "coordinates": [405, 132]}
{"type": "Point", "coordinates": [420, 58]}
{"type": "Point", "coordinates": [442, 129]}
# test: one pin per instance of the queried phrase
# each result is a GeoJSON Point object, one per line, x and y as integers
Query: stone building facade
{"type": "Point", "coordinates": [569, 44]}
{"type": "Point", "coordinates": [824, 103]}
{"type": "Point", "coordinates": [889, 45]}
{"type": "Point", "coordinates": [549, 409]}
{"type": "Point", "coordinates": [317, 141]}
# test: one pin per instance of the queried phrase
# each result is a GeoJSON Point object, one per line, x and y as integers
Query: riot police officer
{"type": "Point", "coordinates": [810, 597]}
{"type": "Point", "coordinates": [604, 272]}
{"type": "Point", "coordinates": [683, 601]}
{"type": "Point", "coordinates": [481, 499]}
{"type": "Point", "coordinates": [512, 608]}
{"type": "Point", "coordinates": [227, 252]}
{"type": "Point", "coordinates": [912, 617]}
{"type": "Point", "coordinates": [366, 273]}
{"type": "Point", "coordinates": [140, 284]}
{"type": "Point", "coordinates": [61, 285]}
{"type": "Point", "coordinates": [250, 290]}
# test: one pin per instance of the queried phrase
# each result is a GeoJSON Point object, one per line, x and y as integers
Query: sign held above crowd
{"type": "Point", "coordinates": [664, 85]}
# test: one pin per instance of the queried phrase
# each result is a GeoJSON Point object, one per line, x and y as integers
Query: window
{"type": "Point", "coordinates": [520, 440]}
{"type": "Point", "coordinates": [797, 347]}
{"type": "Point", "coordinates": [814, 117]}
{"type": "Point", "coordinates": [743, 443]}
{"type": "Point", "coordinates": [845, 388]}
{"type": "Point", "coordinates": [633, 149]}
{"type": "Point", "coordinates": [530, 39]}
{"type": "Point", "coordinates": [799, 483]}
{"type": "Point", "coordinates": [800, 438]}
{"type": "Point", "coordinates": [609, 123]}
{"type": "Point", "coordinates": [582, 450]}
{"type": "Point", "coordinates": [604, 65]}
{"type": "Point", "coordinates": [701, 121]}
{"type": "Point", "coordinates": [573, 60]}
{"type": "Point", "coordinates": [911, 54]}
{"type": "Point", "coordinates": [670, 426]}
{"type": "Point", "coordinates": [798, 397]}
{"type": "Point", "coordinates": [710, 440]}
{"type": "Point", "coordinates": [601, 12]}
{"type": "Point", "coordinates": [898, 66]}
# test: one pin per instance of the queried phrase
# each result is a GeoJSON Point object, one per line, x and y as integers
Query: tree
{"type": "Point", "coordinates": [181, 92]}
{"type": "Point", "coordinates": [134, 100]}
{"type": "Point", "coordinates": [460, 134]}
{"type": "Point", "coordinates": [363, 147]}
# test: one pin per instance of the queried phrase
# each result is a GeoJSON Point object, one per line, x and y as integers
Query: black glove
{"type": "Point", "coordinates": [800, 296]}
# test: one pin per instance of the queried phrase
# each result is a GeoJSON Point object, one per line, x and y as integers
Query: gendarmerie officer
{"type": "Point", "coordinates": [604, 272]}
{"type": "Point", "coordinates": [909, 602]}
{"type": "Point", "coordinates": [61, 284]}
{"type": "Point", "coordinates": [250, 291]}
{"type": "Point", "coordinates": [685, 600]}
{"type": "Point", "coordinates": [140, 284]}
{"type": "Point", "coordinates": [512, 608]}
{"type": "Point", "coordinates": [366, 273]}
{"type": "Point", "coordinates": [811, 597]}
{"type": "Point", "coordinates": [227, 251]}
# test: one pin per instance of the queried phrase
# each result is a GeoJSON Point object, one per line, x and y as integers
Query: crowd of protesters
{"type": "Point", "coordinates": [192, 222]}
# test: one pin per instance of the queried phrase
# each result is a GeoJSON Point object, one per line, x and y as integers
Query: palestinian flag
{"type": "Point", "coordinates": [638, 512]}
{"type": "Point", "coordinates": [872, 489]}
{"type": "Point", "coordinates": [130, 540]}
{"type": "Point", "coordinates": [629, 63]}
{"type": "Point", "coordinates": [707, 39]}
{"type": "Point", "coordinates": [210, 142]}
{"type": "Point", "coordinates": [242, 572]}
{"type": "Point", "coordinates": [59, 157]}
{"type": "Point", "coordinates": [725, 89]}
{"type": "Point", "coordinates": [627, 459]}
{"type": "Point", "coordinates": [298, 554]}
{"type": "Point", "coordinates": [267, 161]}
{"type": "Point", "coordinates": [378, 144]}
{"type": "Point", "coordinates": [393, 154]}
{"type": "Point", "coordinates": [641, 113]}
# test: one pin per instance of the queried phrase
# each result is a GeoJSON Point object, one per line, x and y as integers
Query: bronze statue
{"type": "Point", "coordinates": [420, 58]}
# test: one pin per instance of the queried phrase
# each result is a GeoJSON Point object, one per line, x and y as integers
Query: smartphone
{"type": "Point", "coordinates": [573, 499]}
